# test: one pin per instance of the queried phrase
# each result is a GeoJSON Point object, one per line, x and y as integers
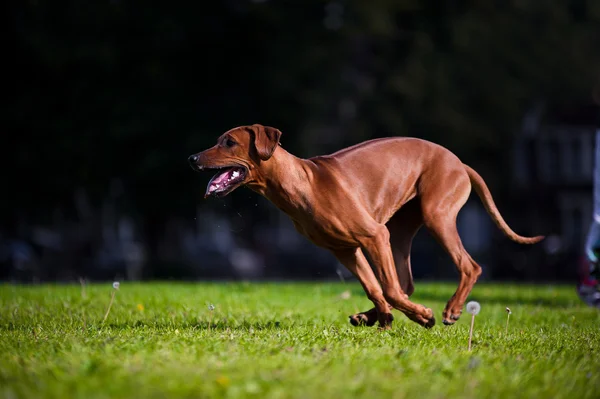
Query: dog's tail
{"type": "Point", "coordinates": [488, 202]}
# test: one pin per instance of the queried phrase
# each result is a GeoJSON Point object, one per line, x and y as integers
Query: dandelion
{"type": "Point", "coordinates": [112, 298]}
{"type": "Point", "coordinates": [211, 308]}
{"type": "Point", "coordinates": [83, 297]}
{"type": "Point", "coordinates": [345, 295]}
{"type": "Point", "coordinates": [83, 293]}
{"type": "Point", "coordinates": [473, 307]}
{"type": "Point", "coordinates": [508, 313]}
{"type": "Point", "coordinates": [340, 275]}
{"type": "Point", "coordinates": [140, 307]}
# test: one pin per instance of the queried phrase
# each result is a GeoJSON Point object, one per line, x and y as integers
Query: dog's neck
{"type": "Point", "coordinates": [286, 181]}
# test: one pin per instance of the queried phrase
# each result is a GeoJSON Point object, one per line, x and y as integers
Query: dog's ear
{"type": "Point", "coordinates": [266, 139]}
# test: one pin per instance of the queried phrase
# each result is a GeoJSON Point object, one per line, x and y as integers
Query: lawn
{"type": "Point", "coordinates": [289, 340]}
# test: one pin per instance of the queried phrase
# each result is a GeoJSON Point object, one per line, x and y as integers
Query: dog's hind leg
{"type": "Point", "coordinates": [441, 204]}
{"type": "Point", "coordinates": [447, 235]}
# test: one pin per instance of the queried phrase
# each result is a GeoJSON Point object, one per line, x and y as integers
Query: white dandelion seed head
{"type": "Point", "coordinates": [473, 307]}
{"type": "Point", "coordinates": [508, 311]}
{"type": "Point", "coordinates": [211, 307]}
{"type": "Point", "coordinates": [116, 285]}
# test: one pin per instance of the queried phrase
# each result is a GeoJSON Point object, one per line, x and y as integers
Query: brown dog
{"type": "Point", "coordinates": [370, 198]}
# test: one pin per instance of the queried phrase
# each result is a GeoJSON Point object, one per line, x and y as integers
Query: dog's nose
{"type": "Point", "coordinates": [193, 159]}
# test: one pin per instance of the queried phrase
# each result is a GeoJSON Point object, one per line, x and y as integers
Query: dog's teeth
{"type": "Point", "coordinates": [235, 173]}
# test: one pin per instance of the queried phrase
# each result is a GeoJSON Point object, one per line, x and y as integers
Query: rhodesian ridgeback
{"type": "Point", "coordinates": [366, 200]}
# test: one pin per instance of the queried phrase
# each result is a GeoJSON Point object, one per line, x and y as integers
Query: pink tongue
{"type": "Point", "coordinates": [219, 181]}
{"type": "Point", "coordinates": [221, 178]}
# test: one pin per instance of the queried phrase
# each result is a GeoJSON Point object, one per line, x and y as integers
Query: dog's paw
{"type": "Point", "coordinates": [364, 319]}
{"type": "Point", "coordinates": [450, 318]}
{"type": "Point", "coordinates": [430, 323]}
{"type": "Point", "coordinates": [361, 319]}
{"type": "Point", "coordinates": [357, 319]}
{"type": "Point", "coordinates": [385, 321]}
{"type": "Point", "coordinates": [427, 320]}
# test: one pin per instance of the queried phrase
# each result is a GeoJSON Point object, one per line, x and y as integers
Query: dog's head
{"type": "Point", "coordinates": [236, 157]}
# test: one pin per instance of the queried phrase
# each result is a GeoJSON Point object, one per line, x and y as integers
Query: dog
{"type": "Point", "coordinates": [369, 199]}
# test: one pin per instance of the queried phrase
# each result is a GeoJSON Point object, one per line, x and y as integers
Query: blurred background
{"type": "Point", "coordinates": [107, 99]}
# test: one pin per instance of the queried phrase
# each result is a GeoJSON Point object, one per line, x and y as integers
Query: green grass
{"type": "Point", "coordinates": [290, 341]}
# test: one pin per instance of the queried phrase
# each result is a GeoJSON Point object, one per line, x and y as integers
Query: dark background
{"type": "Point", "coordinates": [107, 99]}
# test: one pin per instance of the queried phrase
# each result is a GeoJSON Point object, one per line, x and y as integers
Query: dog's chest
{"type": "Point", "coordinates": [325, 233]}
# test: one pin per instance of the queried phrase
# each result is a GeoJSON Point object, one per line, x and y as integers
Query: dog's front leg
{"type": "Point", "coordinates": [355, 261]}
{"type": "Point", "coordinates": [378, 247]}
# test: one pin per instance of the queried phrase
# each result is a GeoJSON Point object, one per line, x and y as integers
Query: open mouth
{"type": "Point", "coordinates": [225, 181]}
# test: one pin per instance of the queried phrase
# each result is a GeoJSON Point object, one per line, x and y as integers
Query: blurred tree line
{"type": "Point", "coordinates": [105, 90]}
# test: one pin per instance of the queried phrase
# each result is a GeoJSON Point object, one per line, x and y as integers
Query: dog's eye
{"type": "Point", "coordinates": [229, 143]}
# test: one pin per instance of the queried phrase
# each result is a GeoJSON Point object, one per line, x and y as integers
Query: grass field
{"type": "Point", "coordinates": [290, 341]}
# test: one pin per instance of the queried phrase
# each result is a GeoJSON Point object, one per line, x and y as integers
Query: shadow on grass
{"type": "Point", "coordinates": [216, 325]}
{"type": "Point", "coordinates": [164, 325]}
{"type": "Point", "coordinates": [503, 300]}
{"type": "Point", "coordinates": [494, 298]}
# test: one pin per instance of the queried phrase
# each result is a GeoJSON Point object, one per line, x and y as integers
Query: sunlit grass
{"type": "Point", "coordinates": [290, 341]}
